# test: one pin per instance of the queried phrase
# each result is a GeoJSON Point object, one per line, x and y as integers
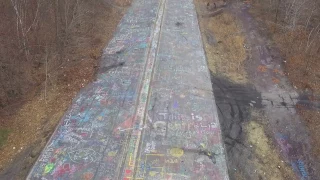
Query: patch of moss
{"type": "Point", "coordinates": [3, 136]}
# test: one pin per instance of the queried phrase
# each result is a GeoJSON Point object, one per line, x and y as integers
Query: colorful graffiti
{"type": "Point", "coordinates": [293, 152]}
{"type": "Point", "coordinates": [149, 114]}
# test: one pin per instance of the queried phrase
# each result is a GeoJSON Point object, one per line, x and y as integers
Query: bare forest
{"type": "Point", "coordinates": [40, 36]}
{"type": "Point", "coordinates": [49, 50]}
{"type": "Point", "coordinates": [294, 25]}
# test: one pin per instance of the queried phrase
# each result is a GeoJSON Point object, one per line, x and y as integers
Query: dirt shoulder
{"type": "Point", "coordinates": [299, 47]}
{"type": "Point", "coordinates": [27, 126]}
{"type": "Point", "coordinates": [223, 42]}
{"type": "Point", "coordinates": [264, 133]}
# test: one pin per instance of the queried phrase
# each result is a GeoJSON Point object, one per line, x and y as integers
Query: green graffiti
{"type": "Point", "coordinates": [49, 167]}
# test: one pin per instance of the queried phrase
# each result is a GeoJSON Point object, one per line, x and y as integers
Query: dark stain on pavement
{"type": "Point", "coordinates": [179, 24]}
{"type": "Point", "coordinates": [233, 104]}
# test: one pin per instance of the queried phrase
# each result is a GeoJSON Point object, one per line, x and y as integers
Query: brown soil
{"type": "Point", "coordinates": [311, 118]}
{"type": "Point", "coordinates": [253, 154]}
{"type": "Point", "coordinates": [301, 67]}
{"type": "Point", "coordinates": [31, 122]}
{"type": "Point", "coordinates": [268, 161]}
{"type": "Point", "coordinates": [301, 63]}
{"type": "Point", "coordinates": [223, 43]}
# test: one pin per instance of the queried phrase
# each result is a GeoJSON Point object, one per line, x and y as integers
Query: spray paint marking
{"type": "Point", "coordinates": [140, 115]}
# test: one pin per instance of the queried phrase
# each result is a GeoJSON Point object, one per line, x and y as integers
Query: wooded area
{"type": "Point", "coordinates": [294, 26]}
{"type": "Point", "coordinates": [49, 50]}
{"type": "Point", "coordinates": [39, 37]}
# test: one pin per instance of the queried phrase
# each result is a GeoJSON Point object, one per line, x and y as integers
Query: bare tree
{"type": "Point", "coordinates": [23, 28]}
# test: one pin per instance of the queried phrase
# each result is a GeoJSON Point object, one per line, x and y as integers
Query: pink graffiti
{"type": "Point", "coordinates": [61, 170]}
{"type": "Point", "coordinates": [125, 125]}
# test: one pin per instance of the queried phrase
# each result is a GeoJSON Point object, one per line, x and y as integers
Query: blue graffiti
{"type": "Point", "coordinates": [282, 136]}
{"type": "Point", "coordinates": [302, 170]}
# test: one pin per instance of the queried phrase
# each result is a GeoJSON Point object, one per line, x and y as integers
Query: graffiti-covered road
{"type": "Point", "coordinates": [150, 114]}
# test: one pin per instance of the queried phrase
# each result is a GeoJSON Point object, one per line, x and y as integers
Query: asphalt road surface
{"type": "Point", "coordinates": [151, 112]}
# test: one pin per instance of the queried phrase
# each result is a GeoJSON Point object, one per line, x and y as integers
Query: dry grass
{"type": "Point", "coordinates": [302, 64]}
{"type": "Point", "coordinates": [122, 3]}
{"type": "Point", "coordinates": [226, 58]}
{"type": "Point", "coordinates": [301, 67]}
{"type": "Point", "coordinates": [267, 160]}
{"type": "Point", "coordinates": [238, 176]}
{"type": "Point", "coordinates": [312, 118]}
{"type": "Point", "coordinates": [3, 136]}
{"type": "Point", "coordinates": [35, 120]}
{"type": "Point", "coordinates": [227, 54]}
{"type": "Point", "coordinates": [63, 32]}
